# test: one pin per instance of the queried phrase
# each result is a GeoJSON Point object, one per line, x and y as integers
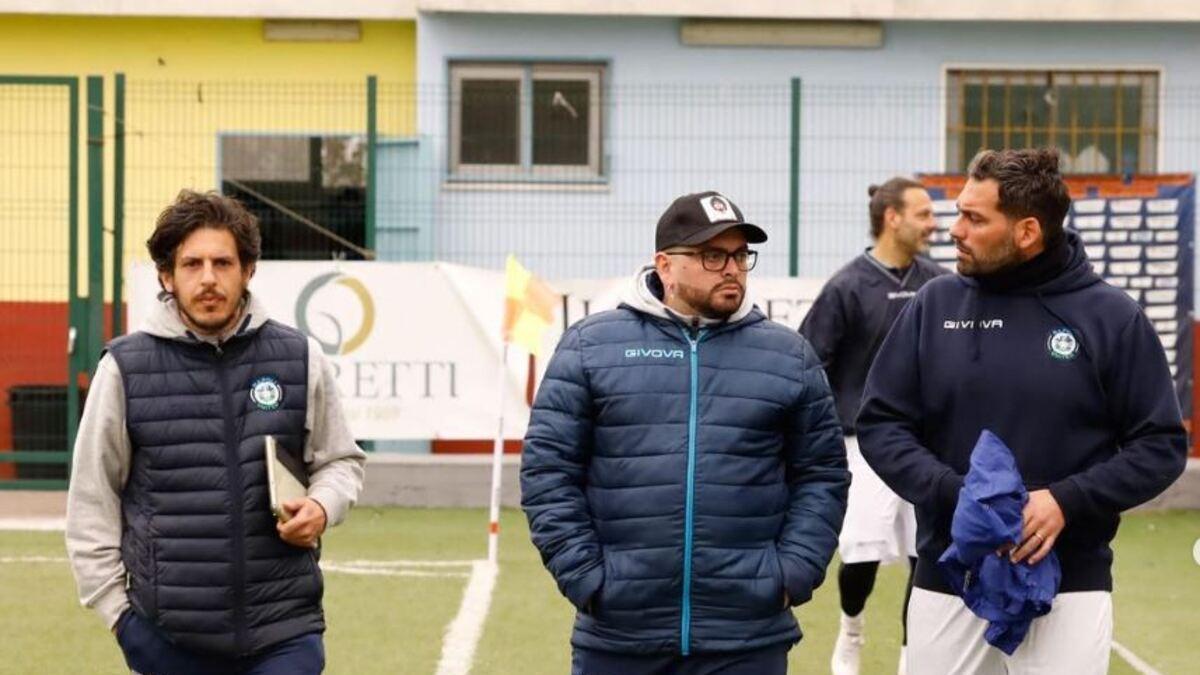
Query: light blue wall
{"type": "Point", "coordinates": [683, 119]}
{"type": "Point", "coordinates": [407, 189]}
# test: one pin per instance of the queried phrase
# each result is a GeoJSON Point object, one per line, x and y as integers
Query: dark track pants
{"type": "Point", "coordinates": [148, 652]}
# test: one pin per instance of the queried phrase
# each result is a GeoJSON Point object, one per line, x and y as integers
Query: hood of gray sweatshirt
{"type": "Point", "coordinates": [646, 294]}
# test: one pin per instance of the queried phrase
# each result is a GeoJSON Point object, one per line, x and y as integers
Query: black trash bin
{"type": "Point", "coordinates": [39, 422]}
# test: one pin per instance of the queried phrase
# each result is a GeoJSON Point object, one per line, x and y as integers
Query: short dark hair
{"type": "Point", "coordinates": [193, 210]}
{"type": "Point", "coordinates": [890, 194]}
{"type": "Point", "coordinates": [1031, 186]}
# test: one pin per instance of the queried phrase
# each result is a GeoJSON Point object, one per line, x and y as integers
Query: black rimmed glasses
{"type": "Point", "coordinates": [715, 259]}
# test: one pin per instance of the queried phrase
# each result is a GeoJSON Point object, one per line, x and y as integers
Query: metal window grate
{"type": "Point", "coordinates": [1104, 122]}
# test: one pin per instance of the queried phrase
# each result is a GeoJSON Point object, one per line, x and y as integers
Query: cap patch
{"type": "Point", "coordinates": [718, 209]}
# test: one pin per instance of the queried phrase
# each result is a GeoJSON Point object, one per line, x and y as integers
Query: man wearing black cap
{"type": "Point", "coordinates": [684, 474]}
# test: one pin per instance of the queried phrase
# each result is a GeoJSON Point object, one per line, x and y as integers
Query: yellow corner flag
{"type": "Point", "coordinates": [528, 307]}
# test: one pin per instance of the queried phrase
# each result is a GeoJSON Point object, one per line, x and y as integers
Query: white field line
{"type": "Point", "coordinates": [383, 568]}
{"type": "Point", "coordinates": [463, 633]}
{"type": "Point", "coordinates": [405, 563]}
{"type": "Point", "coordinates": [386, 572]}
{"type": "Point", "coordinates": [43, 524]}
{"type": "Point", "coordinates": [1133, 660]}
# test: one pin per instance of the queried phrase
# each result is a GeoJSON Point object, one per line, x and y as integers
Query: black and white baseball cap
{"type": "Point", "coordinates": [696, 218]}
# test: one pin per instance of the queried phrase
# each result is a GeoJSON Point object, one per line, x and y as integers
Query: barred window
{"type": "Point", "coordinates": [1104, 122]}
{"type": "Point", "coordinates": [516, 121]}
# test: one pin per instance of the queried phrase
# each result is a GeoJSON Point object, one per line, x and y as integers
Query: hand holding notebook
{"type": "Point", "coordinates": [284, 484]}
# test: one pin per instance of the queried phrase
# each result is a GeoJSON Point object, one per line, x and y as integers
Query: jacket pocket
{"type": "Point", "coordinates": [775, 566]}
{"type": "Point", "coordinates": [595, 604]}
{"type": "Point", "coordinates": [314, 559]}
{"type": "Point", "coordinates": [151, 593]}
{"type": "Point", "coordinates": [748, 585]}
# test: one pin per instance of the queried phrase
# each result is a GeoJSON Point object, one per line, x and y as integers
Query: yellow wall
{"type": "Point", "coordinates": [188, 80]}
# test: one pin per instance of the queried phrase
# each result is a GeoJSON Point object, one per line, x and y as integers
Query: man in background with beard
{"type": "Point", "coordinates": [1026, 341]}
{"type": "Point", "coordinates": [683, 473]}
{"type": "Point", "coordinates": [846, 325]}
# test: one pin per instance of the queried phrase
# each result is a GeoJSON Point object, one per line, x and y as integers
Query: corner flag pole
{"type": "Point", "coordinates": [528, 310]}
{"type": "Point", "coordinates": [497, 457]}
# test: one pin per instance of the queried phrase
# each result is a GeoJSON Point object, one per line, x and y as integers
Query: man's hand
{"type": "Point", "coordinates": [1044, 521]}
{"type": "Point", "coordinates": [306, 522]}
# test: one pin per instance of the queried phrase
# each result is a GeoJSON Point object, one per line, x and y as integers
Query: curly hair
{"type": "Point", "coordinates": [193, 210]}
{"type": "Point", "coordinates": [1031, 186]}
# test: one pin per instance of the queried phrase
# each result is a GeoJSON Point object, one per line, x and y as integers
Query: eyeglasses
{"type": "Point", "coordinates": [715, 259]}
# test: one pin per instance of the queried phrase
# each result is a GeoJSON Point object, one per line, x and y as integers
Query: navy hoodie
{"type": "Point", "coordinates": [1067, 371]}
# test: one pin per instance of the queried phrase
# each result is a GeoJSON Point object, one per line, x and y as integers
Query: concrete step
{"type": "Point", "coordinates": [463, 481]}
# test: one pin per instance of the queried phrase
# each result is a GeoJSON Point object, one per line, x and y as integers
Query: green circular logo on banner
{"type": "Point", "coordinates": [341, 344]}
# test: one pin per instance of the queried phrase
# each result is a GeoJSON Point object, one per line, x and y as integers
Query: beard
{"type": "Point", "coordinates": [213, 322]}
{"type": "Point", "coordinates": [978, 264]}
{"type": "Point", "coordinates": [713, 303]}
{"type": "Point", "coordinates": [922, 244]}
{"type": "Point", "coordinates": [915, 242]}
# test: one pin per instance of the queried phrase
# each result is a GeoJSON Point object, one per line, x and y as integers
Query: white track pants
{"type": "Point", "coordinates": [944, 637]}
{"type": "Point", "coordinates": [879, 525]}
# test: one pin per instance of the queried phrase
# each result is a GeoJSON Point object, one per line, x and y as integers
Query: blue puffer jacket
{"type": "Point", "coordinates": [678, 483]}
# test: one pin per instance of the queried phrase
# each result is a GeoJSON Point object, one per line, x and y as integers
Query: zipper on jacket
{"type": "Point", "coordinates": [685, 623]}
{"type": "Point", "coordinates": [238, 534]}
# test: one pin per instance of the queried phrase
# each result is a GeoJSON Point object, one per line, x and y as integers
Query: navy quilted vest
{"type": "Point", "coordinates": [205, 562]}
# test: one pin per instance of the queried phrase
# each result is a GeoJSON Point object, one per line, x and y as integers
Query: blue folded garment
{"type": "Point", "coordinates": [988, 517]}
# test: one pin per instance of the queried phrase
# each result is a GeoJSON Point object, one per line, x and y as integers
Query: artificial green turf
{"type": "Point", "coordinates": [384, 624]}
{"type": "Point", "coordinates": [44, 629]}
{"type": "Point", "coordinates": [1156, 590]}
{"type": "Point", "coordinates": [381, 624]}
{"type": "Point", "coordinates": [528, 631]}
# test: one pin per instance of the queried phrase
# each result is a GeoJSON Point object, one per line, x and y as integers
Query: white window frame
{"type": "Point", "coordinates": [497, 72]}
{"type": "Point", "coordinates": [525, 170]}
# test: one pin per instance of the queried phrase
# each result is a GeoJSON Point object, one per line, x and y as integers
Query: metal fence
{"type": "Point", "coordinates": [556, 165]}
{"type": "Point", "coordinates": [39, 187]}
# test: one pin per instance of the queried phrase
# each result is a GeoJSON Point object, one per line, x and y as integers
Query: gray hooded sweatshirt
{"type": "Point", "coordinates": [645, 294]}
{"type": "Point", "coordinates": [103, 455]}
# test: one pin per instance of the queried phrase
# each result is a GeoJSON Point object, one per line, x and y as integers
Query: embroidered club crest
{"type": "Point", "coordinates": [1062, 344]}
{"type": "Point", "coordinates": [266, 393]}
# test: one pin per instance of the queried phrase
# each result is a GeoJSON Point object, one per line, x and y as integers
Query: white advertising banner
{"type": "Point", "coordinates": [416, 346]}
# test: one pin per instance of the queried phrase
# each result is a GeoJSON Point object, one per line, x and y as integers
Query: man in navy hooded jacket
{"type": "Point", "coordinates": [1029, 342]}
{"type": "Point", "coordinates": [684, 474]}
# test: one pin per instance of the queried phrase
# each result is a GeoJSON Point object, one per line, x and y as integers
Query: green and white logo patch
{"type": "Point", "coordinates": [1062, 344]}
{"type": "Point", "coordinates": [266, 393]}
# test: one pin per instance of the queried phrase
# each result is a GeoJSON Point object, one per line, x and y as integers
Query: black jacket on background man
{"type": "Point", "coordinates": [851, 316]}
